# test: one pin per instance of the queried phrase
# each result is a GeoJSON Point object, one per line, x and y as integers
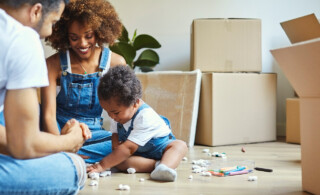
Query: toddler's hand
{"type": "Point", "coordinates": [95, 168]}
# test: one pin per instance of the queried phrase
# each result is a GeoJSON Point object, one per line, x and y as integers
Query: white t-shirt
{"type": "Point", "coordinates": [147, 125]}
{"type": "Point", "coordinates": [22, 60]}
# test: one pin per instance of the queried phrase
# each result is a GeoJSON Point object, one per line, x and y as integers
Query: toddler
{"type": "Point", "coordinates": [141, 138]}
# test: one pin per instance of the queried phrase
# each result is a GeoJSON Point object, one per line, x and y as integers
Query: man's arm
{"type": "Point", "coordinates": [24, 139]}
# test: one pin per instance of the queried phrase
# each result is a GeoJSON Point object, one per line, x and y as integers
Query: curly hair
{"type": "Point", "coordinates": [98, 14]}
{"type": "Point", "coordinates": [121, 83]}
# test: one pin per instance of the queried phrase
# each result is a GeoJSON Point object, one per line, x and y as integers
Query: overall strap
{"type": "Point", "coordinates": [63, 61]}
{"type": "Point", "coordinates": [104, 58]}
{"type": "Point", "coordinates": [143, 106]}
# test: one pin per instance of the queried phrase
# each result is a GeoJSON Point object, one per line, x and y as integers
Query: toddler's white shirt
{"type": "Point", "coordinates": [147, 125]}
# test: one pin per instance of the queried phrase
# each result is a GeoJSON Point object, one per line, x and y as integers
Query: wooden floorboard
{"type": "Point", "coordinates": [282, 157]}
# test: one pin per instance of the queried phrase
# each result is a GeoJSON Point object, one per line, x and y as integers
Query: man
{"type": "Point", "coordinates": [31, 161]}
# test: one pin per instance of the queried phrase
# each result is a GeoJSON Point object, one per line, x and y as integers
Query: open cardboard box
{"type": "Point", "coordinates": [301, 65]}
{"type": "Point", "coordinates": [293, 120]}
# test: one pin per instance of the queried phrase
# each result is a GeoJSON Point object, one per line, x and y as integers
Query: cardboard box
{"type": "Point", "coordinates": [293, 120]}
{"type": "Point", "coordinates": [226, 45]}
{"type": "Point", "coordinates": [236, 108]}
{"type": "Point", "coordinates": [301, 65]}
{"type": "Point", "coordinates": [302, 29]}
{"type": "Point", "coordinates": [175, 95]}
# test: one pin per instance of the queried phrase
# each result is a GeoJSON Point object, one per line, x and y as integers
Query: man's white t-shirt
{"type": "Point", "coordinates": [147, 125]}
{"type": "Point", "coordinates": [22, 60]}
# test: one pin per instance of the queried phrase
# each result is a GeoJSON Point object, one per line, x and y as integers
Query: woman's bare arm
{"type": "Point", "coordinates": [48, 96]}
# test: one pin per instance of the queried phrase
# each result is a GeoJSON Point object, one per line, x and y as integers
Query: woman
{"type": "Point", "coordinates": [74, 71]}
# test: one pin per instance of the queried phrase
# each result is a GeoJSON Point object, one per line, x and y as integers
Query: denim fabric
{"type": "Point", "coordinates": [53, 174]}
{"type": "Point", "coordinates": [2, 118]}
{"type": "Point", "coordinates": [78, 98]}
{"type": "Point", "coordinates": [152, 149]}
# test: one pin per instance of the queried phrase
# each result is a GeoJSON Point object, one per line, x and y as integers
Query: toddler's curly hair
{"type": "Point", "coordinates": [120, 82]}
{"type": "Point", "coordinates": [98, 14]}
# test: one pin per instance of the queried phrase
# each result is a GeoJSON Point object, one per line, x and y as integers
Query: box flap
{"type": "Point", "coordinates": [302, 28]}
{"type": "Point", "coordinates": [301, 65]}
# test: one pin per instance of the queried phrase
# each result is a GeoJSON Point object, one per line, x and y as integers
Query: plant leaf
{"type": "Point", "coordinates": [124, 35]}
{"type": "Point", "coordinates": [125, 50]}
{"type": "Point", "coordinates": [134, 36]}
{"type": "Point", "coordinates": [145, 41]}
{"type": "Point", "coordinates": [147, 58]}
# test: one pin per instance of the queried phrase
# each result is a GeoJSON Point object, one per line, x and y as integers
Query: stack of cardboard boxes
{"type": "Point", "coordinates": [298, 30]}
{"type": "Point", "coordinates": [237, 101]}
{"type": "Point", "coordinates": [300, 63]}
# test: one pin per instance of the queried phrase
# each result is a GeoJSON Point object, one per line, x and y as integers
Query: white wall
{"type": "Point", "coordinates": [170, 22]}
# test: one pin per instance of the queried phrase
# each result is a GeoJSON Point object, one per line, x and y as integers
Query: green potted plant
{"type": "Point", "coordinates": [128, 48]}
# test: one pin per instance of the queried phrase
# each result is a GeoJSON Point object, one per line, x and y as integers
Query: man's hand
{"type": "Point", "coordinates": [75, 129]}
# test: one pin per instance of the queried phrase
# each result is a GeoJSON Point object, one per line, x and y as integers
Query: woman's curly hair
{"type": "Point", "coordinates": [120, 82]}
{"type": "Point", "coordinates": [98, 14]}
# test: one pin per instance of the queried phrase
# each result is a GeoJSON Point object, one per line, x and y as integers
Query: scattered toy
{"type": "Point", "coordinates": [196, 171]}
{"type": "Point", "coordinates": [131, 170]}
{"type": "Point", "coordinates": [94, 176]}
{"type": "Point", "coordinates": [93, 183]}
{"type": "Point", "coordinates": [252, 178]}
{"type": "Point", "coordinates": [124, 187]}
{"type": "Point", "coordinates": [230, 171]}
{"type": "Point", "coordinates": [205, 150]}
{"type": "Point", "coordinates": [206, 173]}
{"type": "Point", "coordinates": [201, 162]}
{"type": "Point", "coordinates": [195, 167]}
{"type": "Point", "coordinates": [105, 173]}
{"type": "Point", "coordinates": [263, 169]}
{"type": "Point", "coordinates": [141, 179]}
{"type": "Point", "coordinates": [217, 154]}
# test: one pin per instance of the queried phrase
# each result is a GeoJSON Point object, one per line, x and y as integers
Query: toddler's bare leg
{"type": "Point", "coordinates": [174, 153]}
{"type": "Point", "coordinates": [171, 158]}
{"type": "Point", "coordinates": [141, 164]}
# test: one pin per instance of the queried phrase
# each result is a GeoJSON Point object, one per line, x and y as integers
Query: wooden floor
{"type": "Point", "coordinates": [282, 157]}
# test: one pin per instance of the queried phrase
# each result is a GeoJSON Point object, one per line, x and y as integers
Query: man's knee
{"type": "Point", "coordinates": [80, 167]}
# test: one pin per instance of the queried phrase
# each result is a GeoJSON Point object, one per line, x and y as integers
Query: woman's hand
{"type": "Point", "coordinates": [86, 133]}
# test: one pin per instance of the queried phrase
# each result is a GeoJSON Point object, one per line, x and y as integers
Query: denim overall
{"type": "Point", "coordinates": [2, 118]}
{"type": "Point", "coordinates": [78, 98]}
{"type": "Point", "coordinates": [154, 148]}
